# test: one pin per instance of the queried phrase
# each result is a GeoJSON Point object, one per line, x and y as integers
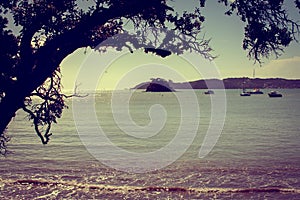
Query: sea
{"type": "Point", "coordinates": [149, 148]}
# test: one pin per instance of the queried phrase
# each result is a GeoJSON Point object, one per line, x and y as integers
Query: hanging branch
{"type": "Point", "coordinates": [45, 105]}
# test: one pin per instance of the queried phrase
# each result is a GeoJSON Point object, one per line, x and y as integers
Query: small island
{"type": "Point", "coordinates": [228, 83]}
{"type": "Point", "coordinates": [159, 85]}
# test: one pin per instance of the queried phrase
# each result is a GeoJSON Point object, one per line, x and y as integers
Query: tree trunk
{"type": "Point", "coordinates": [47, 59]}
{"type": "Point", "coordinates": [9, 105]}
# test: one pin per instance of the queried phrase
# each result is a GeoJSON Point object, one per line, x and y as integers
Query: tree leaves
{"type": "Point", "coordinates": [268, 28]}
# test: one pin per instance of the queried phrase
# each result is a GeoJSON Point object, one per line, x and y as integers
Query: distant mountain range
{"type": "Point", "coordinates": [231, 83]}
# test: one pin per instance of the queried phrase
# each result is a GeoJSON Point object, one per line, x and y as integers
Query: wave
{"type": "Point", "coordinates": [115, 188]}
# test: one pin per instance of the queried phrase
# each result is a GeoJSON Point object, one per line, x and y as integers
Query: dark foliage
{"type": "Point", "coordinates": [268, 28]}
{"type": "Point", "coordinates": [50, 30]}
{"type": "Point", "coordinates": [160, 52]}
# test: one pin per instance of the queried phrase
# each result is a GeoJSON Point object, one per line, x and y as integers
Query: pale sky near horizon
{"type": "Point", "coordinates": [226, 33]}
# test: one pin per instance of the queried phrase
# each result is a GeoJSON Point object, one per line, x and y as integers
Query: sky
{"type": "Point", "coordinates": [123, 70]}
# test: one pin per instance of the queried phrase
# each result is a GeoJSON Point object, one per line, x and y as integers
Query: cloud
{"type": "Point", "coordinates": [283, 68]}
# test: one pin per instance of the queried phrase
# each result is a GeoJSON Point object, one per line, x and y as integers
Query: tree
{"type": "Point", "coordinates": [50, 30]}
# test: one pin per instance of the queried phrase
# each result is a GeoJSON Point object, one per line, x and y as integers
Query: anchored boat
{"type": "Point", "coordinates": [274, 94]}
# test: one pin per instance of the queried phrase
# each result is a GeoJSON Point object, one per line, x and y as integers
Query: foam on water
{"type": "Point", "coordinates": [45, 189]}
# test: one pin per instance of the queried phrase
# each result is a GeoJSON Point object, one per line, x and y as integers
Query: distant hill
{"type": "Point", "coordinates": [232, 83]}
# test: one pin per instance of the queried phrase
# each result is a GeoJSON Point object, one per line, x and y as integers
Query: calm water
{"type": "Point", "coordinates": [256, 157]}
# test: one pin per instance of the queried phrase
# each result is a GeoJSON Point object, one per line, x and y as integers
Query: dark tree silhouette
{"type": "Point", "coordinates": [50, 30]}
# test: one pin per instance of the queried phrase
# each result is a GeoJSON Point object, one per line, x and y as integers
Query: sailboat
{"type": "Point", "coordinates": [244, 92]}
{"type": "Point", "coordinates": [255, 90]}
